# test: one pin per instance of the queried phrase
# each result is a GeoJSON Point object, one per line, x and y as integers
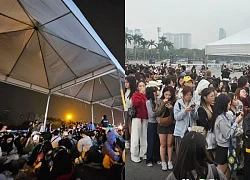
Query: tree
{"type": "Point", "coordinates": [144, 45]}
{"type": "Point", "coordinates": [150, 44]}
{"type": "Point", "coordinates": [128, 39]}
{"type": "Point", "coordinates": [137, 40]}
{"type": "Point", "coordinates": [165, 43]}
{"type": "Point", "coordinates": [160, 49]}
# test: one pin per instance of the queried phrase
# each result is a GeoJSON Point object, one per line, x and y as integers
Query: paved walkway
{"type": "Point", "coordinates": [136, 171]}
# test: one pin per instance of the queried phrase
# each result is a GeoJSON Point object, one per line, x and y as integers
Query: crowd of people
{"type": "Point", "coordinates": [205, 119]}
{"type": "Point", "coordinates": [54, 154]}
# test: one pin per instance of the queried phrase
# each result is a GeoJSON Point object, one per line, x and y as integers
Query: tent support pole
{"type": "Point", "coordinates": [46, 114]}
{"type": "Point", "coordinates": [92, 113]}
{"type": "Point", "coordinates": [123, 115]}
{"type": "Point", "coordinates": [113, 118]}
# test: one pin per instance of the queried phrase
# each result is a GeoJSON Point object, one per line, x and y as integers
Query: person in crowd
{"type": "Point", "coordinates": [37, 156]}
{"type": "Point", "coordinates": [185, 115]}
{"type": "Point", "coordinates": [197, 93]}
{"type": "Point", "coordinates": [224, 130]}
{"type": "Point", "coordinates": [105, 121]}
{"type": "Point", "coordinates": [192, 161]}
{"type": "Point", "coordinates": [31, 143]}
{"type": "Point", "coordinates": [180, 85]}
{"type": "Point", "coordinates": [164, 109]}
{"type": "Point", "coordinates": [205, 112]}
{"type": "Point", "coordinates": [153, 148]}
{"type": "Point", "coordinates": [139, 124]}
{"type": "Point", "coordinates": [188, 81]}
{"type": "Point", "coordinates": [235, 109]}
{"type": "Point", "coordinates": [246, 146]}
{"type": "Point", "coordinates": [241, 95]}
{"type": "Point", "coordinates": [130, 88]}
{"type": "Point", "coordinates": [193, 70]}
{"type": "Point", "coordinates": [111, 151]}
{"type": "Point", "coordinates": [9, 153]}
{"type": "Point", "coordinates": [183, 70]}
{"type": "Point", "coordinates": [55, 138]}
{"type": "Point", "coordinates": [85, 143]}
{"type": "Point", "coordinates": [225, 89]}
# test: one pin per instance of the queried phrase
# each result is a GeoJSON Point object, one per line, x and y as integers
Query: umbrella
{"type": "Point", "coordinates": [46, 45]}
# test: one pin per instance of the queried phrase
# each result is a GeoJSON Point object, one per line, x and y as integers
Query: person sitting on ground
{"type": "Point", "coordinates": [42, 148]}
{"type": "Point", "coordinates": [111, 151]}
{"type": "Point", "coordinates": [85, 143]}
{"type": "Point", "coordinates": [192, 161]}
{"type": "Point", "coordinates": [55, 139]}
{"type": "Point", "coordinates": [58, 164]}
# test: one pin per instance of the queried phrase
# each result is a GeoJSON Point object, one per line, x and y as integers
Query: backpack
{"type": "Point", "coordinates": [74, 153]}
{"type": "Point", "coordinates": [49, 157]}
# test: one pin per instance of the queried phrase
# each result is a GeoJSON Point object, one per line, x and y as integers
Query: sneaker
{"type": "Point", "coordinates": [149, 164]}
{"type": "Point", "coordinates": [164, 166]}
{"type": "Point", "coordinates": [170, 165]}
{"type": "Point", "coordinates": [159, 162]}
{"type": "Point", "coordinates": [126, 145]}
{"type": "Point", "coordinates": [135, 159]}
{"type": "Point", "coordinates": [144, 157]}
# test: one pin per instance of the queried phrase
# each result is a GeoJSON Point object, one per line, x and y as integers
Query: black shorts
{"type": "Point", "coordinates": [221, 155]}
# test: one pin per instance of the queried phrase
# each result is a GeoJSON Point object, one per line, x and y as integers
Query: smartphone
{"type": "Point", "coordinates": [192, 106]}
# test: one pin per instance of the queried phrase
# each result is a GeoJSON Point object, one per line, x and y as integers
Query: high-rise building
{"type": "Point", "coordinates": [169, 37]}
{"type": "Point", "coordinates": [222, 33]}
{"type": "Point", "coordinates": [182, 40]}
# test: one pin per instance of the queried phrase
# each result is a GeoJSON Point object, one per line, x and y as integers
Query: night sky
{"type": "Point", "coordinates": [21, 100]}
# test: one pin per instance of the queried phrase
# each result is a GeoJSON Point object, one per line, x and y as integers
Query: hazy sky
{"type": "Point", "coordinates": [201, 18]}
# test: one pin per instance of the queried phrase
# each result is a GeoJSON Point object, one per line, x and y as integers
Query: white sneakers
{"type": "Point", "coordinates": [144, 157]}
{"type": "Point", "coordinates": [150, 164]}
{"type": "Point", "coordinates": [170, 165]}
{"type": "Point", "coordinates": [164, 166]}
{"type": "Point", "coordinates": [135, 159]}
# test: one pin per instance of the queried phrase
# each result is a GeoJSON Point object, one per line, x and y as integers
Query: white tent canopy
{"type": "Point", "coordinates": [115, 103]}
{"type": "Point", "coordinates": [95, 90]}
{"type": "Point", "coordinates": [45, 45]}
{"type": "Point", "coordinates": [235, 45]}
{"type": "Point", "coordinates": [49, 46]}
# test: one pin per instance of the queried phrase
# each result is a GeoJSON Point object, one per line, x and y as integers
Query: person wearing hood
{"type": "Point", "coordinates": [185, 114]}
{"type": "Point", "coordinates": [111, 151]}
{"type": "Point", "coordinates": [197, 93]}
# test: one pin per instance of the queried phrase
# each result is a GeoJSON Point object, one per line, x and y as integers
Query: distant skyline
{"type": "Point", "coordinates": [202, 19]}
{"type": "Point", "coordinates": [21, 100]}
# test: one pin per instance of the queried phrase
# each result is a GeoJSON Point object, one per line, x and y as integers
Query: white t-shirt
{"type": "Point", "coordinates": [55, 140]}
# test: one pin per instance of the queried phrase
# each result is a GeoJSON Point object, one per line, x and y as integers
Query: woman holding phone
{"type": "Point", "coordinates": [185, 115]}
{"type": "Point", "coordinates": [164, 108]}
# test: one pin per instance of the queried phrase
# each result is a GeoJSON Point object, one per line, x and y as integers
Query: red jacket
{"type": "Point", "coordinates": [139, 102]}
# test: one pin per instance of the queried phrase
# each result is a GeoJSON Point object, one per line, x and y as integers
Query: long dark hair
{"type": "Point", "coordinates": [220, 107]}
{"type": "Point", "coordinates": [205, 92]}
{"type": "Point", "coordinates": [172, 92]}
{"type": "Point", "coordinates": [193, 149]}
{"type": "Point", "coordinates": [132, 84]}
{"type": "Point", "coordinates": [150, 94]}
